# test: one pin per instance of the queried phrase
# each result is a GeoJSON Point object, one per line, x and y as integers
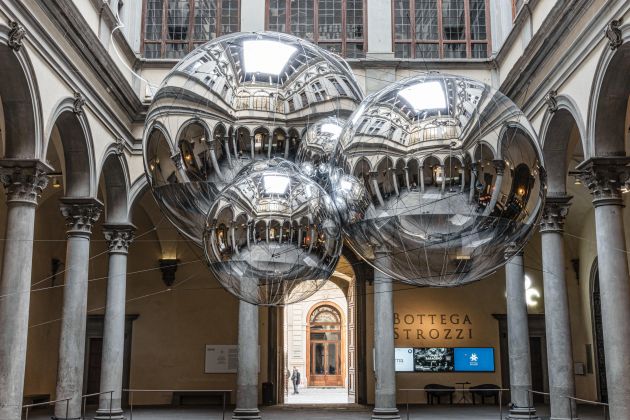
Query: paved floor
{"type": "Point", "coordinates": [308, 396]}
{"type": "Point", "coordinates": [345, 412]}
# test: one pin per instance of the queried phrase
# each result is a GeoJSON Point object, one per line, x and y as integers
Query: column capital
{"type": "Point", "coordinates": [605, 177]}
{"type": "Point", "coordinates": [118, 237]}
{"type": "Point", "coordinates": [554, 213]}
{"type": "Point", "coordinates": [24, 179]}
{"type": "Point", "coordinates": [80, 214]}
{"type": "Point", "coordinates": [512, 250]}
{"type": "Point", "coordinates": [499, 166]}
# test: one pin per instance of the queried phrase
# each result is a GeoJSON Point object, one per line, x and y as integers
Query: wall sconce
{"type": "Point", "coordinates": [168, 267]}
{"type": "Point", "coordinates": [55, 179]}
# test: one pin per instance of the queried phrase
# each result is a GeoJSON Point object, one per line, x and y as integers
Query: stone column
{"type": "Point", "coordinates": [407, 179]}
{"type": "Point", "coordinates": [499, 166]}
{"type": "Point", "coordinates": [395, 182]}
{"type": "Point", "coordinates": [286, 147]}
{"type": "Point", "coordinates": [226, 145]}
{"type": "Point", "coordinates": [604, 177]}
{"type": "Point", "coordinates": [384, 362]}
{"type": "Point", "coordinates": [443, 186]}
{"type": "Point", "coordinates": [118, 238]}
{"type": "Point", "coordinates": [557, 320]}
{"type": "Point", "coordinates": [377, 190]}
{"type": "Point", "coordinates": [421, 173]}
{"type": "Point", "coordinates": [248, 363]}
{"type": "Point", "coordinates": [518, 339]}
{"type": "Point", "coordinates": [463, 174]}
{"type": "Point", "coordinates": [473, 181]}
{"type": "Point", "coordinates": [252, 143]}
{"type": "Point", "coordinates": [23, 182]}
{"type": "Point", "coordinates": [80, 214]}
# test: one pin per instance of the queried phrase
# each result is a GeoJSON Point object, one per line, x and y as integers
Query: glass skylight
{"type": "Point", "coordinates": [333, 129]}
{"type": "Point", "coordinates": [264, 56]}
{"type": "Point", "coordinates": [425, 96]}
{"type": "Point", "coordinates": [276, 184]}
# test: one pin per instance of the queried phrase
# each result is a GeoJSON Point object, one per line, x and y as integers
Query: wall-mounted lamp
{"type": "Point", "coordinates": [531, 293]}
{"type": "Point", "coordinates": [55, 179]}
{"type": "Point", "coordinates": [168, 267]}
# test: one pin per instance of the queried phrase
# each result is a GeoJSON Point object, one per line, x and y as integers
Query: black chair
{"type": "Point", "coordinates": [485, 391]}
{"type": "Point", "coordinates": [437, 390]}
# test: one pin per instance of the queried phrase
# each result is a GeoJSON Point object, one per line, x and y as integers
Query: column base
{"type": "Point", "coordinates": [116, 414]}
{"type": "Point", "coordinates": [523, 413]}
{"type": "Point", "coordinates": [385, 414]}
{"type": "Point", "coordinates": [246, 413]}
{"type": "Point", "coordinates": [66, 418]}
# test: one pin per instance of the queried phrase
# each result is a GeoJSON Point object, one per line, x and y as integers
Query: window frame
{"type": "Point", "coordinates": [163, 41]}
{"type": "Point", "coordinates": [440, 41]}
{"type": "Point", "coordinates": [344, 41]}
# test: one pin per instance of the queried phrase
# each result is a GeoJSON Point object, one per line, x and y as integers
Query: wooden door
{"type": "Point", "coordinates": [95, 354]}
{"type": "Point", "coordinates": [325, 348]}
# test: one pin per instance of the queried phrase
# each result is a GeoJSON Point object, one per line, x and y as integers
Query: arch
{"type": "Point", "coordinates": [75, 136]}
{"type": "Point", "coordinates": [21, 104]}
{"type": "Point", "coordinates": [326, 344]}
{"type": "Point", "coordinates": [609, 100]}
{"type": "Point", "coordinates": [484, 151]}
{"type": "Point", "coordinates": [115, 176]}
{"type": "Point", "coordinates": [556, 136]}
{"type": "Point", "coordinates": [136, 191]}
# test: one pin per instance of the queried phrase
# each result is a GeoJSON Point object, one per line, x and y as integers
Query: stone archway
{"type": "Point", "coordinates": [325, 346]}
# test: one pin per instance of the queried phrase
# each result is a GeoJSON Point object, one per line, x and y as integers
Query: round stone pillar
{"type": "Point", "coordinates": [557, 314]}
{"type": "Point", "coordinates": [518, 340]}
{"type": "Point", "coordinates": [384, 361]}
{"type": "Point", "coordinates": [604, 177]}
{"type": "Point", "coordinates": [23, 182]}
{"type": "Point", "coordinates": [80, 215]}
{"type": "Point", "coordinates": [118, 237]}
{"type": "Point", "coordinates": [248, 363]}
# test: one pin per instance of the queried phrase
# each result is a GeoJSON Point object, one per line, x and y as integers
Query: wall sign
{"type": "Point", "coordinates": [444, 359]}
{"type": "Point", "coordinates": [454, 326]}
{"type": "Point", "coordinates": [223, 358]}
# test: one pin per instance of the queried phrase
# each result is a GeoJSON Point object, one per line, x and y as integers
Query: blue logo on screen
{"type": "Point", "coordinates": [474, 359]}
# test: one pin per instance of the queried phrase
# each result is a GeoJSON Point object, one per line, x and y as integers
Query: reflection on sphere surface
{"type": "Point", "coordinates": [239, 98]}
{"type": "Point", "coordinates": [437, 177]}
{"type": "Point", "coordinates": [273, 236]}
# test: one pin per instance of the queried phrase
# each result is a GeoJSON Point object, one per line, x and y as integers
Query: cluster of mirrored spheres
{"type": "Point", "coordinates": [260, 148]}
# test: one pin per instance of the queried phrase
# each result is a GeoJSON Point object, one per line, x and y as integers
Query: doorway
{"type": "Point", "coordinates": [325, 345]}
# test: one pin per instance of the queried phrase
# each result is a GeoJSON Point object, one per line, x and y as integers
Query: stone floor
{"type": "Point", "coordinates": [309, 396]}
{"type": "Point", "coordinates": [341, 412]}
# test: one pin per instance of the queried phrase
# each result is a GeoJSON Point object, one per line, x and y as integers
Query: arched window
{"type": "Point", "coordinates": [435, 29]}
{"type": "Point", "coordinates": [336, 25]}
{"type": "Point", "coordinates": [172, 28]}
{"type": "Point", "coordinates": [325, 347]}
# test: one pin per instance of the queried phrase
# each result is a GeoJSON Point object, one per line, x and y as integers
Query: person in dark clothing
{"type": "Point", "coordinates": [295, 378]}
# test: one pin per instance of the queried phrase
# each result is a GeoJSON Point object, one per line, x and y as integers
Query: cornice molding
{"type": "Point", "coordinates": [544, 42]}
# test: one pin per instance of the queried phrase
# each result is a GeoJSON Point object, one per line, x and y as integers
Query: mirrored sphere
{"type": "Point", "coordinates": [437, 177]}
{"type": "Point", "coordinates": [273, 236]}
{"type": "Point", "coordinates": [317, 146]}
{"type": "Point", "coordinates": [236, 99]}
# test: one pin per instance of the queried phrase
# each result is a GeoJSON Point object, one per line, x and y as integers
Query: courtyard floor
{"type": "Point", "coordinates": [345, 412]}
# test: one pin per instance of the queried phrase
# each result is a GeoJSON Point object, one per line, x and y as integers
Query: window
{"type": "Point", "coordinates": [304, 98]}
{"type": "Point", "coordinates": [336, 25]}
{"type": "Point", "coordinates": [172, 28]}
{"type": "Point", "coordinates": [319, 91]}
{"type": "Point", "coordinates": [375, 127]}
{"type": "Point", "coordinates": [435, 29]}
{"type": "Point", "coordinates": [340, 90]}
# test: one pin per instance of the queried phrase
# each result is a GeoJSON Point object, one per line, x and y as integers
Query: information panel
{"type": "Point", "coordinates": [221, 358]}
{"type": "Point", "coordinates": [474, 359]}
{"type": "Point", "coordinates": [444, 359]}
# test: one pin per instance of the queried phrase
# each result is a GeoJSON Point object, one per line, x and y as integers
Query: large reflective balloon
{"type": "Point", "coordinates": [239, 98]}
{"type": "Point", "coordinates": [436, 176]}
{"type": "Point", "coordinates": [273, 236]}
{"type": "Point", "coordinates": [315, 150]}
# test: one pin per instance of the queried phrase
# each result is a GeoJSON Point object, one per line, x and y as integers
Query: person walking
{"type": "Point", "coordinates": [295, 378]}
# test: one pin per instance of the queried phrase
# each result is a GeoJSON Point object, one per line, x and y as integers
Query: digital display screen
{"type": "Point", "coordinates": [404, 359]}
{"type": "Point", "coordinates": [445, 359]}
{"type": "Point", "coordinates": [474, 359]}
{"type": "Point", "coordinates": [433, 359]}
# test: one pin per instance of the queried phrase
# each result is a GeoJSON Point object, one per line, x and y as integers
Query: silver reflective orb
{"type": "Point", "coordinates": [239, 98]}
{"type": "Point", "coordinates": [273, 236]}
{"type": "Point", "coordinates": [317, 146]}
{"type": "Point", "coordinates": [436, 178]}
